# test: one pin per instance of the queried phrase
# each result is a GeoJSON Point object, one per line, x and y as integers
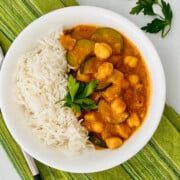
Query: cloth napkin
{"type": "Point", "coordinates": [159, 159]}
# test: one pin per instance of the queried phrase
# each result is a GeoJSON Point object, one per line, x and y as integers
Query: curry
{"type": "Point", "coordinates": [123, 90]}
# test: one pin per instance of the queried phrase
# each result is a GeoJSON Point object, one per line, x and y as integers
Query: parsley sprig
{"type": "Point", "coordinates": [161, 22]}
{"type": "Point", "coordinates": [78, 94]}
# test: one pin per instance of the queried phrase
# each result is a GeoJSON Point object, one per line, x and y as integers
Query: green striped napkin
{"type": "Point", "coordinates": [159, 159]}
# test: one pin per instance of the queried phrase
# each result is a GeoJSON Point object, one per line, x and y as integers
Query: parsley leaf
{"type": "Point", "coordinates": [166, 10]}
{"type": "Point", "coordinates": [78, 94]}
{"type": "Point", "coordinates": [84, 101]}
{"type": "Point", "coordinates": [155, 26]}
{"type": "Point", "coordinates": [160, 23]}
{"type": "Point", "coordinates": [73, 86]}
{"type": "Point", "coordinates": [89, 107]}
{"type": "Point", "coordinates": [89, 88]}
{"type": "Point", "coordinates": [146, 6]}
{"type": "Point", "coordinates": [75, 107]}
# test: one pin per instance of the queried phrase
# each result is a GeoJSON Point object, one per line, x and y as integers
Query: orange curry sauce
{"type": "Point", "coordinates": [106, 55]}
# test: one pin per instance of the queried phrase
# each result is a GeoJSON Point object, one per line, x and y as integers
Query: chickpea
{"type": "Point", "coordinates": [133, 120]}
{"type": "Point", "coordinates": [133, 78]}
{"type": "Point", "coordinates": [102, 50]}
{"type": "Point", "coordinates": [83, 77]}
{"type": "Point", "coordinates": [104, 71]}
{"type": "Point", "coordinates": [118, 106]}
{"type": "Point", "coordinates": [131, 61]}
{"type": "Point", "coordinates": [97, 127]}
{"type": "Point", "coordinates": [113, 142]}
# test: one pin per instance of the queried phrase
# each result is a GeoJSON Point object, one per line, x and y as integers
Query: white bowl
{"type": "Point", "coordinates": [95, 160]}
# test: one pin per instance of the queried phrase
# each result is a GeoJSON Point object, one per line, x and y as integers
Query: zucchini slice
{"type": "Point", "coordinates": [109, 36]}
{"type": "Point", "coordinates": [81, 50]}
{"type": "Point", "coordinates": [90, 65]}
{"type": "Point", "coordinates": [103, 86]}
{"type": "Point", "coordinates": [85, 63]}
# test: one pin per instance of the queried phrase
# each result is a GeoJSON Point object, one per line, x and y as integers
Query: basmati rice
{"type": "Point", "coordinates": [41, 80]}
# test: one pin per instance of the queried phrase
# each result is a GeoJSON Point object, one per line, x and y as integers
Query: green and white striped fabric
{"type": "Point", "coordinates": [159, 159]}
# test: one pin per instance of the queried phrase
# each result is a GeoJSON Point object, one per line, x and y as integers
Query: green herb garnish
{"type": "Point", "coordinates": [78, 94]}
{"type": "Point", "coordinates": [161, 22]}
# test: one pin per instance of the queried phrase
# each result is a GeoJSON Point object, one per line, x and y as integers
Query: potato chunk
{"type": "Point", "coordinates": [102, 50]}
{"type": "Point", "coordinates": [105, 110]}
{"type": "Point", "coordinates": [112, 92]}
{"type": "Point", "coordinates": [116, 77]}
{"type": "Point", "coordinates": [113, 142]}
{"type": "Point", "coordinates": [97, 126]}
{"type": "Point", "coordinates": [90, 116]}
{"type": "Point", "coordinates": [119, 118]}
{"type": "Point", "coordinates": [133, 120]}
{"type": "Point", "coordinates": [67, 41]}
{"type": "Point", "coordinates": [123, 130]}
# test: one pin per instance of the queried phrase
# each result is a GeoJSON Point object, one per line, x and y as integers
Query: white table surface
{"type": "Point", "coordinates": [168, 50]}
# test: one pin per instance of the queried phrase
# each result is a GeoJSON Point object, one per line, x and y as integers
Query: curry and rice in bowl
{"type": "Point", "coordinates": [83, 94]}
{"type": "Point", "coordinates": [85, 84]}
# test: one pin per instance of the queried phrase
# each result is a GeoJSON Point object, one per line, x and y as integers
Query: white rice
{"type": "Point", "coordinates": [41, 80]}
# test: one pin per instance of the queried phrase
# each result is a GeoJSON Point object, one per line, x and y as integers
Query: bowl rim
{"type": "Point", "coordinates": [149, 133]}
